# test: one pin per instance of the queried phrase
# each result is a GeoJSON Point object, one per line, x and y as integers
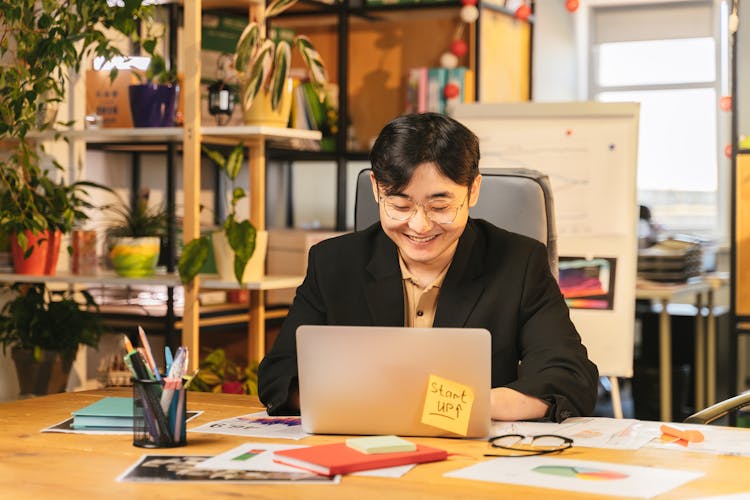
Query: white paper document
{"type": "Point", "coordinates": [736, 496]}
{"type": "Point", "coordinates": [250, 456]}
{"type": "Point", "coordinates": [591, 432]}
{"type": "Point", "coordinates": [602, 478]}
{"type": "Point", "coordinates": [716, 439]}
{"type": "Point", "coordinates": [258, 424]}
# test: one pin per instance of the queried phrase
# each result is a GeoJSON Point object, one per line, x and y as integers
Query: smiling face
{"type": "Point", "coordinates": [424, 245]}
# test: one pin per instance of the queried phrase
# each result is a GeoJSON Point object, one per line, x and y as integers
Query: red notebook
{"type": "Point", "coordinates": [338, 458]}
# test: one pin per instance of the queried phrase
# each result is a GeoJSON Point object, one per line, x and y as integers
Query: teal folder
{"type": "Point", "coordinates": [107, 412]}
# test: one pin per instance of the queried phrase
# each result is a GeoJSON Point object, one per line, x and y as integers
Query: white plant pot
{"type": "Point", "coordinates": [224, 256]}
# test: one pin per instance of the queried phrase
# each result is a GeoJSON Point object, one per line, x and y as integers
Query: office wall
{"type": "Point", "coordinates": [554, 70]}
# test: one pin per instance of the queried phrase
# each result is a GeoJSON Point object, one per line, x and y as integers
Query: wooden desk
{"type": "Point", "coordinates": [46, 465]}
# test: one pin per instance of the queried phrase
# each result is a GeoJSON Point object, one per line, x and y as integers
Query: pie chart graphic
{"type": "Point", "coordinates": [585, 473]}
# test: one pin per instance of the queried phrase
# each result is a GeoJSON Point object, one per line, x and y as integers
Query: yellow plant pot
{"type": "Point", "coordinates": [135, 257]}
{"type": "Point", "coordinates": [261, 112]}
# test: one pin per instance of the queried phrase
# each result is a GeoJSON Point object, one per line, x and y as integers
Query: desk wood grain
{"type": "Point", "coordinates": [47, 465]}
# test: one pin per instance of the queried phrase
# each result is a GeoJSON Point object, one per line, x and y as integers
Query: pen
{"type": "Point", "coordinates": [167, 359]}
{"type": "Point", "coordinates": [149, 355]}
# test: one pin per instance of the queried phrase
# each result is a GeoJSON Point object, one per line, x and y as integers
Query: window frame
{"type": "Point", "coordinates": [720, 84]}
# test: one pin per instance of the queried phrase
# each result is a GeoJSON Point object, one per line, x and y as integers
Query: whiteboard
{"type": "Point", "coordinates": [589, 151]}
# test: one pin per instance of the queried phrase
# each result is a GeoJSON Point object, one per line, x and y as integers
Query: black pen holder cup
{"type": "Point", "coordinates": [153, 427]}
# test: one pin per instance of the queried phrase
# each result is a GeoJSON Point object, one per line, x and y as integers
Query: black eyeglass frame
{"type": "Point", "coordinates": [566, 444]}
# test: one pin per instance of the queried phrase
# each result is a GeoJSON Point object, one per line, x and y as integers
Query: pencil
{"type": "Point", "coordinates": [149, 355]}
{"type": "Point", "coordinates": [128, 345]}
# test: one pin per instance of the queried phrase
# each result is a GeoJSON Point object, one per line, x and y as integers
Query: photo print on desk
{"type": "Point", "coordinates": [182, 468]}
{"type": "Point", "coordinates": [588, 283]}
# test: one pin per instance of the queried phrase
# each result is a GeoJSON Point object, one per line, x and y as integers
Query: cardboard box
{"type": "Point", "coordinates": [110, 99]}
{"type": "Point", "coordinates": [287, 255]}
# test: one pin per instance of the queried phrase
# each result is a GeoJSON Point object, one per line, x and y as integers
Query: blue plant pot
{"type": "Point", "coordinates": [153, 105]}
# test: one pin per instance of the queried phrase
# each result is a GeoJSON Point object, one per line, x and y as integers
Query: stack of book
{"type": "Point", "coordinates": [425, 89]}
{"type": "Point", "coordinates": [671, 260]}
{"type": "Point", "coordinates": [108, 413]}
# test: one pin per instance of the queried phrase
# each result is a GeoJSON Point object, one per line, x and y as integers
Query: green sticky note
{"type": "Point", "coordinates": [380, 444]}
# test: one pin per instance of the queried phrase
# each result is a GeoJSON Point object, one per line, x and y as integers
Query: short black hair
{"type": "Point", "coordinates": [411, 140]}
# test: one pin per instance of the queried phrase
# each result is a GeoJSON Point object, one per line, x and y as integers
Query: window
{"type": "Point", "coordinates": [666, 56]}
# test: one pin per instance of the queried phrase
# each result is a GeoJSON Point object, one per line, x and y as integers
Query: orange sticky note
{"type": "Point", "coordinates": [689, 436]}
{"type": "Point", "coordinates": [447, 405]}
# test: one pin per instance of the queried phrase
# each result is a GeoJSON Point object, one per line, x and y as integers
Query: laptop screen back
{"type": "Point", "coordinates": [373, 380]}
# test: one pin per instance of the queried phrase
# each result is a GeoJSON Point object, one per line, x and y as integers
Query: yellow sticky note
{"type": "Point", "coordinates": [447, 405]}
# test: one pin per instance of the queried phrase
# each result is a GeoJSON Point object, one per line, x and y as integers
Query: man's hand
{"type": "Point", "coordinates": [508, 404]}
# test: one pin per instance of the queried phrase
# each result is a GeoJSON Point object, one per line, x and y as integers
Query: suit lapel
{"type": "Point", "coordinates": [463, 283]}
{"type": "Point", "coordinates": [384, 292]}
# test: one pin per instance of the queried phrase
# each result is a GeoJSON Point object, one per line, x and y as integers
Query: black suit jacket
{"type": "Point", "coordinates": [498, 280]}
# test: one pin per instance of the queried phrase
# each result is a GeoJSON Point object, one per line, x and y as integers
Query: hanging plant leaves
{"type": "Point", "coordinates": [276, 7]}
{"type": "Point", "coordinates": [259, 69]}
{"type": "Point", "coordinates": [280, 71]}
{"type": "Point", "coordinates": [246, 47]}
{"type": "Point", "coordinates": [215, 156]}
{"type": "Point", "coordinates": [312, 60]}
{"type": "Point", "coordinates": [234, 161]}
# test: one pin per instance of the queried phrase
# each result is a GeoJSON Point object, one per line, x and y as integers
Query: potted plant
{"type": "Point", "coordinates": [44, 330]}
{"type": "Point", "coordinates": [44, 43]}
{"type": "Point", "coordinates": [239, 249]}
{"type": "Point", "coordinates": [263, 65]}
{"type": "Point", "coordinates": [217, 373]}
{"type": "Point", "coordinates": [154, 99]}
{"type": "Point", "coordinates": [37, 211]}
{"type": "Point", "coordinates": [135, 237]}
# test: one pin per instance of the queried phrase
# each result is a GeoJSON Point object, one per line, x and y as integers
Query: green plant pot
{"type": "Point", "coordinates": [135, 257]}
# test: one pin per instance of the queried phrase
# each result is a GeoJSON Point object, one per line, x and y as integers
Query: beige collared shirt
{"type": "Point", "coordinates": [420, 303]}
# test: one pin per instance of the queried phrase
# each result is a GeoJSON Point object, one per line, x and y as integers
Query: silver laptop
{"type": "Point", "coordinates": [373, 380]}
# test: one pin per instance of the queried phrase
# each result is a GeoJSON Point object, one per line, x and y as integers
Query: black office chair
{"type": "Point", "coordinates": [516, 199]}
{"type": "Point", "coordinates": [718, 410]}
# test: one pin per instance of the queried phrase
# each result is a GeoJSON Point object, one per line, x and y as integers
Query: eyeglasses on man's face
{"type": "Point", "coordinates": [524, 446]}
{"type": "Point", "coordinates": [439, 211]}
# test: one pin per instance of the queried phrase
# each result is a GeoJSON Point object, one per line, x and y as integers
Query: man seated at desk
{"type": "Point", "coordinates": [427, 263]}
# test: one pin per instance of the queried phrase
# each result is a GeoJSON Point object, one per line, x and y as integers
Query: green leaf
{"type": "Point", "coordinates": [260, 67]}
{"type": "Point", "coordinates": [193, 256]}
{"type": "Point", "coordinates": [246, 47]}
{"type": "Point", "coordinates": [23, 242]}
{"type": "Point", "coordinates": [241, 237]}
{"type": "Point", "coordinates": [234, 162]}
{"type": "Point", "coordinates": [282, 60]}
{"type": "Point", "coordinates": [216, 157]}
{"type": "Point", "coordinates": [276, 7]}
{"type": "Point", "coordinates": [237, 194]}
{"type": "Point", "coordinates": [312, 60]}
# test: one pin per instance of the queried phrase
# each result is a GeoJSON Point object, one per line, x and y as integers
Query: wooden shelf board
{"type": "Point", "coordinates": [172, 134]}
{"type": "Point", "coordinates": [110, 278]}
